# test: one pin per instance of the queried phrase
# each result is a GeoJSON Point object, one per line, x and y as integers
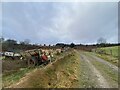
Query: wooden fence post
{"type": "Point", "coordinates": [111, 52]}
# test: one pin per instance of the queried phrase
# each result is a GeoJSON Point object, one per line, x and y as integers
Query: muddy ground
{"type": "Point", "coordinates": [10, 65]}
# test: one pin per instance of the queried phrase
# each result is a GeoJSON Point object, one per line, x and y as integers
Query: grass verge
{"type": "Point", "coordinates": [108, 58]}
{"type": "Point", "coordinates": [13, 77]}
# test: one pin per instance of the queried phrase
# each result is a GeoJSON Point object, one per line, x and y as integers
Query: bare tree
{"type": "Point", "coordinates": [26, 41]}
{"type": "Point", "coordinates": [1, 39]}
{"type": "Point", "coordinates": [44, 45]}
{"type": "Point", "coordinates": [101, 40]}
{"type": "Point", "coordinates": [72, 45]}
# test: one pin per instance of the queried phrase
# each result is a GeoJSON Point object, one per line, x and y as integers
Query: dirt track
{"type": "Point", "coordinates": [97, 73]}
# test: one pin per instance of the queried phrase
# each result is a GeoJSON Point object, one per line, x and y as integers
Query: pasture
{"type": "Point", "coordinates": [111, 50]}
{"type": "Point", "coordinates": [110, 54]}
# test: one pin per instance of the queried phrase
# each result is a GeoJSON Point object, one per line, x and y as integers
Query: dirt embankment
{"type": "Point", "coordinates": [64, 73]}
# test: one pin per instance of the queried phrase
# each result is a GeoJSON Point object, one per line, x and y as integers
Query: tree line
{"type": "Point", "coordinates": [13, 45]}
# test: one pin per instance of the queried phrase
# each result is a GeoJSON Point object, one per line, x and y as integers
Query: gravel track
{"type": "Point", "coordinates": [97, 73]}
{"type": "Point", "coordinates": [101, 81]}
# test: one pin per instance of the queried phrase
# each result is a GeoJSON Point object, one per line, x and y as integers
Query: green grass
{"type": "Point", "coordinates": [110, 74]}
{"type": "Point", "coordinates": [108, 50]}
{"type": "Point", "coordinates": [110, 57]}
{"type": "Point", "coordinates": [2, 57]}
{"type": "Point", "coordinates": [14, 77]}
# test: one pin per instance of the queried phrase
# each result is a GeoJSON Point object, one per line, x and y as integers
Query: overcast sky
{"type": "Point", "coordinates": [50, 23]}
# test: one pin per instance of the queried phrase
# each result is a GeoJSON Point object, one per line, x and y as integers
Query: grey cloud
{"type": "Point", "coordinates": [61, 22]}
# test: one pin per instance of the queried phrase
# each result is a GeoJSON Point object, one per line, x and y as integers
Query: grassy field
{"type": "Point", "coordinates": [111, 50]}
{"type": "Point", "coordinates": [111, 54]}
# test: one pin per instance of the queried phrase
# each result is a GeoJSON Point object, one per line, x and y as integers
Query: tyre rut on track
{"type": "Point", "coordinates": [101, 81]}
